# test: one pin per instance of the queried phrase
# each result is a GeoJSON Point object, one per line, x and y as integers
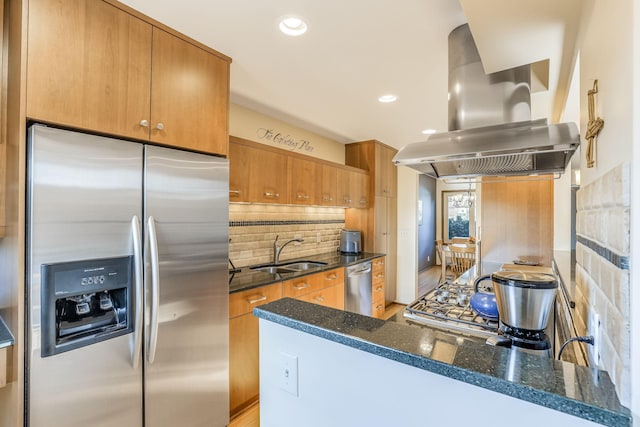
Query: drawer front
{"type": "Point", "coordinates": [329, 297]}
{"type": "Point", "coordinates": [245, 301]}
{"type": "Point", "coordinates": [314, 282]}
{"type": "Point", "coordinates": [301, 286]}
{"type": "Point", "coordinates": [331, 277]}
{"type": "Point", "coordinates": [378, 264]}
{"type": "Point", "coordinates": [377, 308]}
{"type": "Point", "coordinates": [377, 291]}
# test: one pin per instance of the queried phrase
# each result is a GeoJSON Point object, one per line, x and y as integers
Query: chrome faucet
{"type": "Point", "coordinates": [277, 248]}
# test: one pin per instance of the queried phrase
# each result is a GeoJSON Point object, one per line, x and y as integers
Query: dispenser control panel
{"type": "Point", "coordinates": [85, 302]}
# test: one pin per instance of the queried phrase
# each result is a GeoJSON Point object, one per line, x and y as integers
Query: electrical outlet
{"type": "Point", "coordinates": [594, 329]}
{"type": "Point", "coordinates": [289, 373]}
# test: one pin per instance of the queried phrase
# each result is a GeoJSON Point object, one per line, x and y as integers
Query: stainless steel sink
{"type": "Point", "coordinates": [272, 269]}
{"type": "Point", "coordinates": [305, 265]}
{"type": "Point", "coordinates": [292, 267]}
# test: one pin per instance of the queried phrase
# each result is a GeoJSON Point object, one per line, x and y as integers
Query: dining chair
{"type": "Point", "coordinates": [467, 240]}
{"type": "Point", "coordinates": [462, 259]}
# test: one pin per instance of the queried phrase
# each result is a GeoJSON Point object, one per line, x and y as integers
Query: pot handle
{"type": "Point", "coordinates": [480, 279]}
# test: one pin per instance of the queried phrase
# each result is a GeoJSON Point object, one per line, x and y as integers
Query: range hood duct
{"type": "Point", "coordinates": [490, 128]}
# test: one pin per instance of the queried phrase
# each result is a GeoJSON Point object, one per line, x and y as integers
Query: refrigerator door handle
{"type": "Point", "coordinates": [137, 265]}
{"type": "Point", "coordinates": [155, 287]}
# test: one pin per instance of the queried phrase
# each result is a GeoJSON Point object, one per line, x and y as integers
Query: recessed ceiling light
{"type": "Point", "coordinates": [388, 98]}
{"type": "Point", "coordinates": [429, 131]}
{"type": "Point", "coordinates": [292, 26]}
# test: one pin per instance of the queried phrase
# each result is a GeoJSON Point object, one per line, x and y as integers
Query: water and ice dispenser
{"type": "Point", "coordinates": [84, 302]}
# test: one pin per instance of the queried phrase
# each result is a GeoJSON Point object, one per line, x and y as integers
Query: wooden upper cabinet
{"type": "Point", "coordinates": [239, 168]}
{"type": "Point", "coordinates": [376, 158]}
{"type": "Point", "coordinates": [360, 189]}
{"type": "Point", "coordinates": [386, 176]}
{"type": "Point", "coordinates": [88, 66]}
{"type": "Point", "coordinates": [94, 66]}
{"type": "Point", "coordinates": [302, 181]}
{"type": "Point", "coordinates": [268, 177]}
{"type": "Point", "coordinates": [345, 189]}
{"type": "Point", "coordinates": [190, 96]}
{"type": "Point", "coordinates": [328, 186]}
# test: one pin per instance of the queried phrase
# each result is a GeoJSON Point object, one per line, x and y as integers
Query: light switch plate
{"type": "Point", "coordinates": [289, 373]}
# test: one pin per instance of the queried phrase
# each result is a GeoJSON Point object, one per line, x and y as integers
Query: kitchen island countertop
{"type": "Point", "coordinates": [248, 278]}
{"type": "Point", "coordinates": [576, 390]}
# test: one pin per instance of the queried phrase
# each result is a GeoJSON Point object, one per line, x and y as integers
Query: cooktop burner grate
{"type": "Point", "coordinates": [447, 307]}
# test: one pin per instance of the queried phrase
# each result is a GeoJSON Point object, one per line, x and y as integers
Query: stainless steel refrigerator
{"type": "Point", "coordinates": [127, 283]}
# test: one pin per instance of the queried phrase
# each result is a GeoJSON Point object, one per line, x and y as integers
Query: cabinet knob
{"type": "Point", "coordinates": [302, 196]}
{"type": "Point", "coordinates": [234, 193]}
{"type": "Point", "coordinates": [160, 126]}
{"type": "Point", "coordinates": [144, 123]}
{"type": "Point", "coordinates": [268, 194]}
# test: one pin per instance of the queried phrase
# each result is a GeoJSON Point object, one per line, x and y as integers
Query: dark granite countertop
{"type": "Point", "coordinates": [576, 390]}
{"type": "Point", "coordinates": [248, 278]}
{"type": "Point", "coordinates": [6, 339]}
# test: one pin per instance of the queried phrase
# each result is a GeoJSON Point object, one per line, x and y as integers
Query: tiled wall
{"type": "Point", "coordinates": [253, 228]}
{"type": "Point", "coordinates": [602, 270]}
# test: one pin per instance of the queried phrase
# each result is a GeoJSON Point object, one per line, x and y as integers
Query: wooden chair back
{"type": "Point", "coordinates": [462, 259]}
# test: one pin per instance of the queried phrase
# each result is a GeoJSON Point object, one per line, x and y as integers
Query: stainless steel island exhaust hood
{"type": "Point", "coordinates": [491, 133]}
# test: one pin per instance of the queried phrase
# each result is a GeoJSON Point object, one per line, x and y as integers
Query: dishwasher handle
{"type": "Point", "coordinates": [362, 272]}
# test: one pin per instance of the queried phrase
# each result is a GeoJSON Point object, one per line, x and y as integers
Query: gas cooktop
{"type": "Point", "coordinates": [447, 307]}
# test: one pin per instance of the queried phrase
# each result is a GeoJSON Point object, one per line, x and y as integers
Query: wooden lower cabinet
{"type": "Point", "coordinates": [324, 288]}
{"type": "Point", "coordinates": [378, 287]}
{"type": "Point", "coordinates": [332, 296]}
{"type": "Point", "coordinates": [244, 376]}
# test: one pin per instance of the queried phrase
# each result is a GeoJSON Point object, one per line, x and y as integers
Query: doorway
{"type": "Point", "coordinates": [458, 214]}
{"type": "Point", "coordinates": [427, 194]}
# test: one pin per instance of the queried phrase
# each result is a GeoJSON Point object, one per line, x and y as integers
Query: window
{"type": "Point", "coordinates": [458, 214]}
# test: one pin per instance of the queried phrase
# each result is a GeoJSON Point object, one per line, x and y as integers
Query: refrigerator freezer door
{"type": "Point", "coordinates": [186, 301]}
{"type": "Point", "coordinates": [83, 192]}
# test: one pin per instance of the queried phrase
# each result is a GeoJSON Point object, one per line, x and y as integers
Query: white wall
{"type": "Point", "coordinates": [407, 264]}
{"type": "Point", "coordinates": [340, 386]}
{"type": "Point", "coordinates": [635, 219]}
{"type": "Point", "coordinates": [610, 53]}
{"type": "Point", "coordinates": [254, 126]}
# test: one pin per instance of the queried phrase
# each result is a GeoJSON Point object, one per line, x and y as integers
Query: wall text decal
{"type": "Point", "coordinates": [285, 140]}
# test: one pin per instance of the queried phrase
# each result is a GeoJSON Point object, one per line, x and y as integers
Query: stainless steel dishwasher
{"type": "Point", "coordinates": [357, 291]}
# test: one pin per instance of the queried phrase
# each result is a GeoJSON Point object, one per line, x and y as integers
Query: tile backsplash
{"type": "Point", "coordinates": [602, 270]}
{"type": "Point", "coordinates": [254, 227]}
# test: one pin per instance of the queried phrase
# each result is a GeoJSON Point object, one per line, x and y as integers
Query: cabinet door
{"type": "Point", "coordinates": [392, 248]}
{"type": "Point", "coordinates": [239, 167]}
{"type": "Point", "coordinates": [190, 93]}
{"type": "Point", "coordinates": [268, 177]}
{"type": "Point", "coordinates": [88, 66]}
{"type": "Point", "coordinates": [244, 375]}
{"type": "Point", "coordinates": [345, 189]}
{"type": "Point", "coordinates": [328, 186]}
{"type": "Point", "coordinates": [386, 181]}
{"type": "Point", "coordinates": [302, 181]}
{"type": "Point", "coordinates": [244, 360]}
{"type": "Point", "coordinates": [360, 189]}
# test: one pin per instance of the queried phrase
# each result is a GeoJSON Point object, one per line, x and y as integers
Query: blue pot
{"type": "Point", "coordinates": [485, 305]}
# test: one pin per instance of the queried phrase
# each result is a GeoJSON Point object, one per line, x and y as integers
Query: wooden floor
{"type": "Point", "coordinates": [429, 279]}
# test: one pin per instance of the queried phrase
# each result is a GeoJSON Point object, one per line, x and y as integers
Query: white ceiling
{"type": "Point", "coordinates": [329, 79]}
